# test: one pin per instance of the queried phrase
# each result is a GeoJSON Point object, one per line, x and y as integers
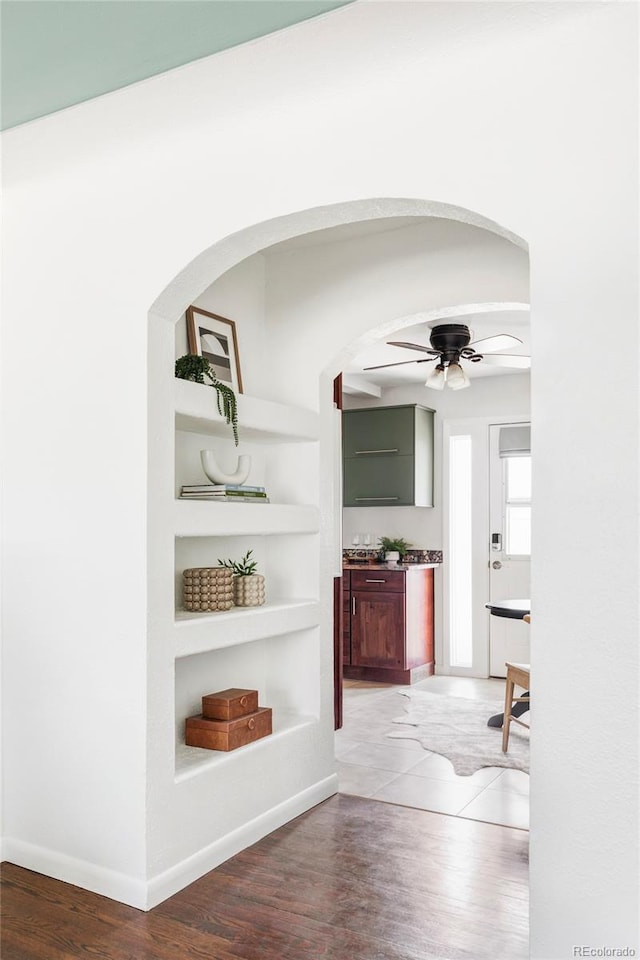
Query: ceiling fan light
{"type": "Point", "coordinates": [436, 379]}
{"type": "Point", "coordinates": [502, 341]}
{"type": "Point", "coordinates": [456, 377]}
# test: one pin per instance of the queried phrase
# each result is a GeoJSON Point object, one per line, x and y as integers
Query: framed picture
{"type": "Point", "coordinates": [214, 337]}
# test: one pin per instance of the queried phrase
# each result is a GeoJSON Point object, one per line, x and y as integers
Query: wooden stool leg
{"type": "Point", "coordinates": [508, 701]}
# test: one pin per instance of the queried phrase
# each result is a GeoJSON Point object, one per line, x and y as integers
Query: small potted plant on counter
{"type": "Point", "coordinates": [393, 548]}
{"type": "Point", "coordinates": [248, 586]}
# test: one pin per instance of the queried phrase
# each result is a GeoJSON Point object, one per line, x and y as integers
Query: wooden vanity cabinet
{"type": "Point", "coordinates": [388, 624]}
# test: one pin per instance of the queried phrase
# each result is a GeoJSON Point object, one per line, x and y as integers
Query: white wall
{"type": "Point", "coordinates": [526, 114]}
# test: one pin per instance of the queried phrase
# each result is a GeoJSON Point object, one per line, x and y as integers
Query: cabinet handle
{"type": "Point", "coordinates": [375, 581]}
{"type": "Point", "coordinates": [377, 498]}
{"type": "Point", "coordinates": [251, 724]}
{"type": "Point", "coordinates": [359, 452]}
{"type": "Point", "coordinates": [353, 606]}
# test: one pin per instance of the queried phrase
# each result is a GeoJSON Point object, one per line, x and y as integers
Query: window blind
{"type": "Point", "coordinates": [515, 440]}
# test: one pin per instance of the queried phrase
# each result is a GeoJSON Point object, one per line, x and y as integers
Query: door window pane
{"type": "Point", "coordinates": [517, 506]}
{"type": "Point", "coordinates": [518, 478]}
{"type": "Point", "coordinates": [518, 525]}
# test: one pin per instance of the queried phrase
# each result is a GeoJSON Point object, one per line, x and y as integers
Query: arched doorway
{"type": "Point", "coordinates": [289, 358]}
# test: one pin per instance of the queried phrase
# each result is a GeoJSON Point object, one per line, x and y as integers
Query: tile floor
{"type": "Point", "coordinates": [403, 772]}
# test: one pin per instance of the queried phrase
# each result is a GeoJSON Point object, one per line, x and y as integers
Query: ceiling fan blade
{"type": "Point", "coordinates": [401, 363]}
{"type": "Point", "coordinates": [504, 360]}
{"type": "Point", "coordinates": [501, 341]}
{"type": "Point", "coordinates": [411, 346]}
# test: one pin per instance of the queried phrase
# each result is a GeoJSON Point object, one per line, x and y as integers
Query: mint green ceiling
{"type": "Point", "coordinates": [56, 53]}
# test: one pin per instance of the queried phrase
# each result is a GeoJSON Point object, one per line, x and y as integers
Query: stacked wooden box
{"type": "Point", "coordinates": [229, 719]}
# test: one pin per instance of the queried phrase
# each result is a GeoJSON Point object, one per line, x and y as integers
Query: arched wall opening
{"type": "Point", "coordinates": [227, 253]}
{"type": "Point", "coordinates": [290, 357]}
{"type": "Point", "coordinates": [490, 400]}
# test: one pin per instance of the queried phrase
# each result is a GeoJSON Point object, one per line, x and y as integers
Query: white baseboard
{"type": "Point", "coordinates": [144, 896]}
{"type": "Point", "coordinates": [81, 873]}
{"type": "Point", "coordinates": [182, 874]}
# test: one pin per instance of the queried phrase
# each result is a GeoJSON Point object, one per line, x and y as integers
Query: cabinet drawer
{"type": "Point", "coordinates": [379, 580]}
{"type": "Point", "coordinates": [379, 482]}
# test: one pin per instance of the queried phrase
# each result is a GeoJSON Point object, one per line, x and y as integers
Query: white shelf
{"type": "Point", "coordinates": [192, 761]}
{"type": "Point", "coordinates": [205, 518]}
{"type": "Point", "coordinates": [202, 632]}
{"type": "Point", "coordinates": [258, 420]}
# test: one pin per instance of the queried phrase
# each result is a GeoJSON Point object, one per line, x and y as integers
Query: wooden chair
{"type": "Point", "coordinates": [518, 675]}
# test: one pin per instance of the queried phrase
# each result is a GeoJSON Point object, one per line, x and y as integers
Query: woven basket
{"type": "Point", "coordinates": [249, 591]}
{"type": "Point", "coordinates": [207, 589]}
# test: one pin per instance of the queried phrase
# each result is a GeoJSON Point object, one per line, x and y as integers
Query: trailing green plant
{"type": "Point", "coordinates": [195, 368]}
{"type": "Point", "coordinates": [241, 568]}
{"type": "Point", "coordinates": [389, 544]}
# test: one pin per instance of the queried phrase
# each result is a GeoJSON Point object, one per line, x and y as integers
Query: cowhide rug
{"type": "Point", "coordinates": [456, 728]}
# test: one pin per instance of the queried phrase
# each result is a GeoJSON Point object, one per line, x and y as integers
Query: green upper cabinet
{"type": "Point", "coordinates": [388, 456]}
{"type": "Point", "coordinates": [378, 431]}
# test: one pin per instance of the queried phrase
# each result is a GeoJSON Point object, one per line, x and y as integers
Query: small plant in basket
{"type": "Point", "coordinates": [248, 586]}
{"type": "Point", "coordinates": [243, 567]}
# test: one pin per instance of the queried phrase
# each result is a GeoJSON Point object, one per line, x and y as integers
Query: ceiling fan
{"type": "Point", "coordinates": [451, 343]}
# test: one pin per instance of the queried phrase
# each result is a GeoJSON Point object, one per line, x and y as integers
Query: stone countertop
{"type": "Point", "coordinates": [368, 556]}
{"type": "Point", "coordinates": [389, 567]}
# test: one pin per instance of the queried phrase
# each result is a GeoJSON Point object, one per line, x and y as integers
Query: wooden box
{"type": "Point", "coordinates": [229, 704]}
{"type": "Point", "coordinates": [228, 734]}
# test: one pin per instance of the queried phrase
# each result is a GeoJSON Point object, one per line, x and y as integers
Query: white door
{"type": "Point", "coordinates": [510, 540]}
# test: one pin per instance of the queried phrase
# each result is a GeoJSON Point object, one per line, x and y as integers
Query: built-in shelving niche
{"type": "Point", "coordinates": [262, 420]}
{"type": "Point", "coordinates": [273, 648]}
{"type": "Point", "coordinates": [288, 562]}
{"type": "Point", "coordinates": [288, 471]}
{"type": "Point", "coordinates": [285, 671]}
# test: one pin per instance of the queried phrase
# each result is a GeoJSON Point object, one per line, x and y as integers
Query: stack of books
{"type": "Point", "coordinates": [227, 492]}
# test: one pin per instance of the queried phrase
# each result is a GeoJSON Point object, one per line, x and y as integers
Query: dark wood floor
{"type": "Point", "coordinates": [352, 879]}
